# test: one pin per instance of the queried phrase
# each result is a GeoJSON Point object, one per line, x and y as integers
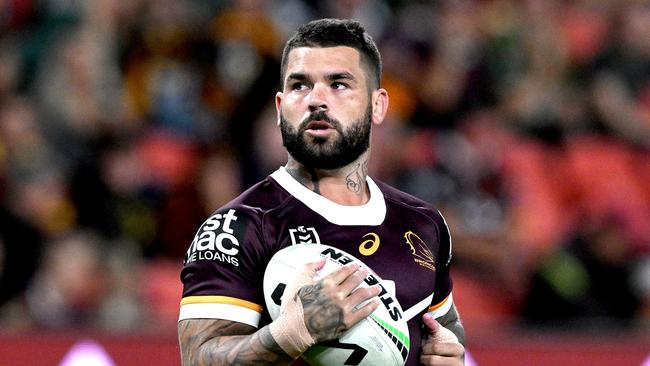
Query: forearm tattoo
{"type": "Point", "coordinates": [324, 319]}
{"type": "Point", "coordinates": [219, 342]}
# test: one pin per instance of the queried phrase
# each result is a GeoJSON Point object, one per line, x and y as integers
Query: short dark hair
{"type": "Point", "coordinates": [336, 32]}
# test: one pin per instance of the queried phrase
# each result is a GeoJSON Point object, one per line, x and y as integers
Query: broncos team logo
{"type": "Point", "coordinates": [421, 253]}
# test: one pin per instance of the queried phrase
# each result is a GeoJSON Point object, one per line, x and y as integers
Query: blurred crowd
{"type": "Point", "coordinates": [123, 124]}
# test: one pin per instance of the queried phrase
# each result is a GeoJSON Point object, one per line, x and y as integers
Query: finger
{"type": "Point", "coordinates": [431, 323]}
{"type": "Point", "coordinates": [441, 360]}
{"type": "Point", "coordinates": [360, 312]}
{"type": "Point", "coordinates": [308, 271]}
{"type": "Point", "coordinates": [438, 333]}
{"type": "Point", "coordinates": [347, 286]}
{"type": "Point", "coordinates": [340, 274]}
{"type": "Point", "coordinates": [313, 267]}
{"type": "Point", "coordinates": [361, 295]}
{"type": "Point", "coordinates": [448, 349]}
{"type": "Point", "coordinates": [304, 277]}
{"type": "Point", "coordinates": [360, 304]}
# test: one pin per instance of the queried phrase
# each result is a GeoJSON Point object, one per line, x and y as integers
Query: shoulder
{"type": "Point", "coordinates": [396, 197]}
{"type": "Point", "coordinates": [259, 199]}
{"type": "Point", "coordinates": [240, 225]}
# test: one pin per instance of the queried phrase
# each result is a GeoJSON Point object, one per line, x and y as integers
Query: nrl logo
{"type": "Point", "coordinates": [303, 235]}
{"type": "Point", "coordinates": [421, 253]}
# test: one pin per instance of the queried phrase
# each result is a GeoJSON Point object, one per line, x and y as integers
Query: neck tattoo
{"type": "Point", "coordinates": [314, 180]}
{"type": "Point", "coordinates": [355, 181]}
{"type": "Point", "coordinates": [311, 182]}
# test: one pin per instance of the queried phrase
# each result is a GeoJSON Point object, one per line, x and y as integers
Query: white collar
{"type": "Point", "coordinates": [372, 212]}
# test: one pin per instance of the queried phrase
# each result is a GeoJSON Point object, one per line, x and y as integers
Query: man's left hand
{"type": "Point", "coordinates": [440, 346]}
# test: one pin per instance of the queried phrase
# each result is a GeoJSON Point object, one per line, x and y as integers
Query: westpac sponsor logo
{"type": "Point", "coordinates": [215, 240]}
{"type": "Point", "coordinates": [304, 235]}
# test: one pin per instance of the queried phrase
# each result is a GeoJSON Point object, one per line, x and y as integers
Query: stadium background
{"type": "Point", "coordinates": [527, 122]}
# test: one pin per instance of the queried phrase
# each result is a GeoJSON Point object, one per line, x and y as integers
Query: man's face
{"type": "Point", "coordinates": [325, 109]}
{"type": "Point", "coordinates": [329, 152]}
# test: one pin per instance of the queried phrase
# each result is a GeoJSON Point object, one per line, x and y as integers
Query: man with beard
{"type": "Point", "coordinates": [330, 99]}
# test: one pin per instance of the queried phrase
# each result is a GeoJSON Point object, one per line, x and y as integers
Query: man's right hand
{"type": "Point", "coordinates": [332, 304]}
{"type": "Point", "coordinates": [314, 311]}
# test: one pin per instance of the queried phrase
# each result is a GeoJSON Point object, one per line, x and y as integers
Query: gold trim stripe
{"type": "Point", "coordinates": [221, 300]}
{"type": "Point", "coordinates": [438, 305]}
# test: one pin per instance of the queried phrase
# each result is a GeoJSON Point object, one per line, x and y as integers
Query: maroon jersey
{"type": "Point", "coordinates": [403, 239]}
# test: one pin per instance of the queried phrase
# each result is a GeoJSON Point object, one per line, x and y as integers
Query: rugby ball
{"type": "Point", "coordinates": [380, 339]}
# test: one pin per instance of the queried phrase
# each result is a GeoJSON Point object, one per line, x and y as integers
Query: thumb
{"type": "Point", "coordinates": [437, 332]}
{"type": "Point", "coordinates": [309, 270]}
{"type": "Point", "coordinates": [312, 267]}
{"type": "Point", "coordinates": [304, 277]}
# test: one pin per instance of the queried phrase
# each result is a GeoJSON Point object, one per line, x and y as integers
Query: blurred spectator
{"type": "Point", "coordinates": [641, 286]}
{"type": "Point", "coordinates": [34, 173]}
{"type": "Point", "coordinates": [621, 86]}
{"type": "Point", "coordinates": [116, 179]}
{"type": "Point", "coordinates": [586, 283]}
{"type": "Point", "coordinates": [76, 287]}
{"type": "Point", "coordinates": [20, 256]}
{"type": "Point", "coordinates": [219, 179]}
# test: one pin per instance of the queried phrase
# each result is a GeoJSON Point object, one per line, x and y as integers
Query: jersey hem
{"type": "Point", "coordinates": [211, 299]}
{"type": "Point", "coordinates": [220, 311]}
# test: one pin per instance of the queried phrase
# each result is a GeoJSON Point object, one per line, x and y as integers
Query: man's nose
{"type": "Point", "coordinates": [318, 98]}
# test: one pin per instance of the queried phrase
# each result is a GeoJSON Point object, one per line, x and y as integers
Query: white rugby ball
{"type": "Point", "coordinates": [380, 339]}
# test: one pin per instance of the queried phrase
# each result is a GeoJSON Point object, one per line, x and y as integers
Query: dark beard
{"type": "Point", "coordinates": [329, 152]}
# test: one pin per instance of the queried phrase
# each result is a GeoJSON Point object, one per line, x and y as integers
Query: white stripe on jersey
{"type": "Point", "coordinates": [418, 308]}
{"type": "Point", "coordinates": [449, 234]}
{"type": "Point", "coordinates": [443, 308]}
{"type": "Point", "coordinates": [371, 213]}
{"type": "Point", "coordinates": [220, 311]}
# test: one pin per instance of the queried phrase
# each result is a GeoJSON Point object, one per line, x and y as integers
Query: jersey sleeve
{"type": "Point", "coordinates": [442, 298]}
{"type": "Point", "coordinates": [223, 269]}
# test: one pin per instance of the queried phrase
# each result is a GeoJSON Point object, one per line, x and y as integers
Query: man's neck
{"type": "Point", "coordinates": [345, 186]}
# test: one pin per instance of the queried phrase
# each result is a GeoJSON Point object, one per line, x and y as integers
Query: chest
{"type": "Point", "coordinates": [403, 250]}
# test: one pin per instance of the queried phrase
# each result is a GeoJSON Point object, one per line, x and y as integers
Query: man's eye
{"type": "Point", "coordinates": [298, 86]}
{"type": "Point", "coordinates": [339, 85]}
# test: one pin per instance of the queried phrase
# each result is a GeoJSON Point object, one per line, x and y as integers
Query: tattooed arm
{"type": "Point", "coordinates": [223, 342]}
{"type": "Point", "coordinates": [329, 306]}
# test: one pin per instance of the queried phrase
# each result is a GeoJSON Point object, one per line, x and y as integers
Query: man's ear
{"type": "Point", "coordinates": [278, 106]}
{"type": "Point", "coordinates": [379, 105]}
